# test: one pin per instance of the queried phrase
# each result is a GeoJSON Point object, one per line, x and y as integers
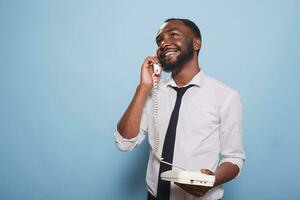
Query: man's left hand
{"type": "Point", "coordinates": [196, 190]}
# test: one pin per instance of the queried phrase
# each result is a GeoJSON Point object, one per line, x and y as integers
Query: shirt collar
{"type": "Point", "coordinates": [197, 80]}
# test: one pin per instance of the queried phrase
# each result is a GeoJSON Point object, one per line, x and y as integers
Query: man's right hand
{"type": "Point", "coordinates": [146, 80]}
{"type": "Point", "coordinates": [129, 124]}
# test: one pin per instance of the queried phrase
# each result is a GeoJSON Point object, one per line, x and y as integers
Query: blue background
{"type": "Point", "coordinates": [68, 70]}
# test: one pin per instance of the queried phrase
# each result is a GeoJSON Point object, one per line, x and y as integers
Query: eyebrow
{"type": "Point", "coordinates": [167, 31]}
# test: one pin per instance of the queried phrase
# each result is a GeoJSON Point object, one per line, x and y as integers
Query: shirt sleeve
{"type": "Point", "coordinates": [124, 144]}
{"type": "Point", "coordinates": [231, 131]}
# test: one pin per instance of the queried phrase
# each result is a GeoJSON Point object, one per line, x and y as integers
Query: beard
{"type": "Point", "coordinates": [185, 56]}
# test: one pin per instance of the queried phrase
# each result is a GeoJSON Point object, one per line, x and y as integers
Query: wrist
{"type": "Point", "coordinates": [144, 88]}
{"type": "Point", "coordinates": [219, 177]}
{"type": "Point", "coordinates": [225, 172]}
{"type": "Point", "coordinates": [217, 180]}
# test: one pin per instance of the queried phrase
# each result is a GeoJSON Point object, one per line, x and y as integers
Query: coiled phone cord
{"type": "Point", "coordinates": [155, 148]}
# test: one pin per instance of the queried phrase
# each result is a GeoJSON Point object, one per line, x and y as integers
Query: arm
{"type": "Point", "coordinates": [226, 172]}
{"type": "Point", "coordinates": [231, 147]}
{"type": "Point", "coordinates": [129, 124]}
{"type": "Point", "coordinates": [231, 140]}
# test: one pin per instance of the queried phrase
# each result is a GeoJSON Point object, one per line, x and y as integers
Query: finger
{"type": "Point", "coordinates": [154, 78]}
{"type": "Point", "coordinates": [198, 194]}
{"type": "Point", "coordinates": [190, 187]}
{"type": "Point", "coordinates": [193, 190]}
{"type": "Point", "coordinates": [184, 187]}
{"type": "Point", "coordinates": [152, 59]}
{"type": "Point", "coordinates": [207, 171]}
{"type": "Point", "coordinates": [156, 59]}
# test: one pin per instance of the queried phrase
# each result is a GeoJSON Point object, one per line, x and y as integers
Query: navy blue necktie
{"type": "Point", "coordinates": [163, 187]}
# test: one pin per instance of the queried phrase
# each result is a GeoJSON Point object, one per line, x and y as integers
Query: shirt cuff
{"type": "Point", "coordinates": [125, 144]}
{"type": "Point", "coordinates": [236, 161]}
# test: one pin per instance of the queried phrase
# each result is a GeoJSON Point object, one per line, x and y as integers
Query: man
{"type": "Point", "coordinates": [207, 130]}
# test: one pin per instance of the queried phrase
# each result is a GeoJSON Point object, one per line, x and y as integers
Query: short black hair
{"type": "Point", "coordinates": [191, 25]}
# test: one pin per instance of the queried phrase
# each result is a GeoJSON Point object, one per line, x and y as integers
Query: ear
{"type": "Point", "coordinates": [196, 44]}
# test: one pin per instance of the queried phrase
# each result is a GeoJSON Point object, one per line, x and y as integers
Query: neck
{"type": "Point", "coordinates": [187, 72]}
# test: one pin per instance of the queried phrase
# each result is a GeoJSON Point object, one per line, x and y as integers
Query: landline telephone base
{"type": "Point", "coordinates": [188, 177]}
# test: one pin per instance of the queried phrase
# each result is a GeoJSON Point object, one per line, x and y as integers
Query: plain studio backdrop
{"type": "Point", "coordinates": [68, 70]}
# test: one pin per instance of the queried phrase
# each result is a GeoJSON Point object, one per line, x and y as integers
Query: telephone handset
{"type": "Point", "coordinates": [182, 175]}
{"type": "Point", "coordinates": [157, 68]}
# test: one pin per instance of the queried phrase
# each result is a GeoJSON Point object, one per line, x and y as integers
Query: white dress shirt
{"type": "Point", "coordinates": [209, 130]}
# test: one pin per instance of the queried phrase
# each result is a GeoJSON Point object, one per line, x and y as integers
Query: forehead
{"type": "Point", "coordinates": [172, 25]}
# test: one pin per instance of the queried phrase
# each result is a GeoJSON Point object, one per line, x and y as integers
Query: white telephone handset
{"type": "Point", "coordinates": [180, 176]}
{"type": "Point", "coordinates": [157, 69]}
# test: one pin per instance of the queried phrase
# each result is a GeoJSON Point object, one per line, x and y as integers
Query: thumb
{"type": "Point", "coordinates": [207, 171]}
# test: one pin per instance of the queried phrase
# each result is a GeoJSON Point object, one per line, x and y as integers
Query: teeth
{"type": "Point", "coordinates": [169, 53]}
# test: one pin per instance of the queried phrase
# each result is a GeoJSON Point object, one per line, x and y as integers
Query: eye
{"type": "Point", "coordinates": [174, 34]}
{"type": "Point", "coordinates": [158, 41]}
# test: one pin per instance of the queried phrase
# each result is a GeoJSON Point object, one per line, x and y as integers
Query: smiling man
{"type": "Point", "coordinates": [199, 118]}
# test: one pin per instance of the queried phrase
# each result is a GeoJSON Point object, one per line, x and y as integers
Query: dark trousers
{"type": "Point", "coordinates": [150, 196]}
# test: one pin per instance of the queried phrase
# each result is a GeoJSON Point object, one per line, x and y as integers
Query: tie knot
{"type": "Point", "coordinates": [180, 91]}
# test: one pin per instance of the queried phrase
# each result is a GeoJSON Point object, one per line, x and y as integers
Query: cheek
{"type": "Point", "coordinates": [179, 44]}
{"type": "Point", "coordinates": [158, 52]}
{"type": "Point", "coordinates": [187, 46]}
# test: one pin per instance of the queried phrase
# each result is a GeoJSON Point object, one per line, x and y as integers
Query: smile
{"type": "Point", "coordinates": [169, 52]}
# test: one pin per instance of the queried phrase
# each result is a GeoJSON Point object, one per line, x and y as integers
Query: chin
{"type": "Point", "coordinates": [171, 61]}
{"type": "Point", "coordinates": [171, 67]}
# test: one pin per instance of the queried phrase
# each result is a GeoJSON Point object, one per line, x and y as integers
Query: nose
{"type": "Point", "coordinates": [164, 43]}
